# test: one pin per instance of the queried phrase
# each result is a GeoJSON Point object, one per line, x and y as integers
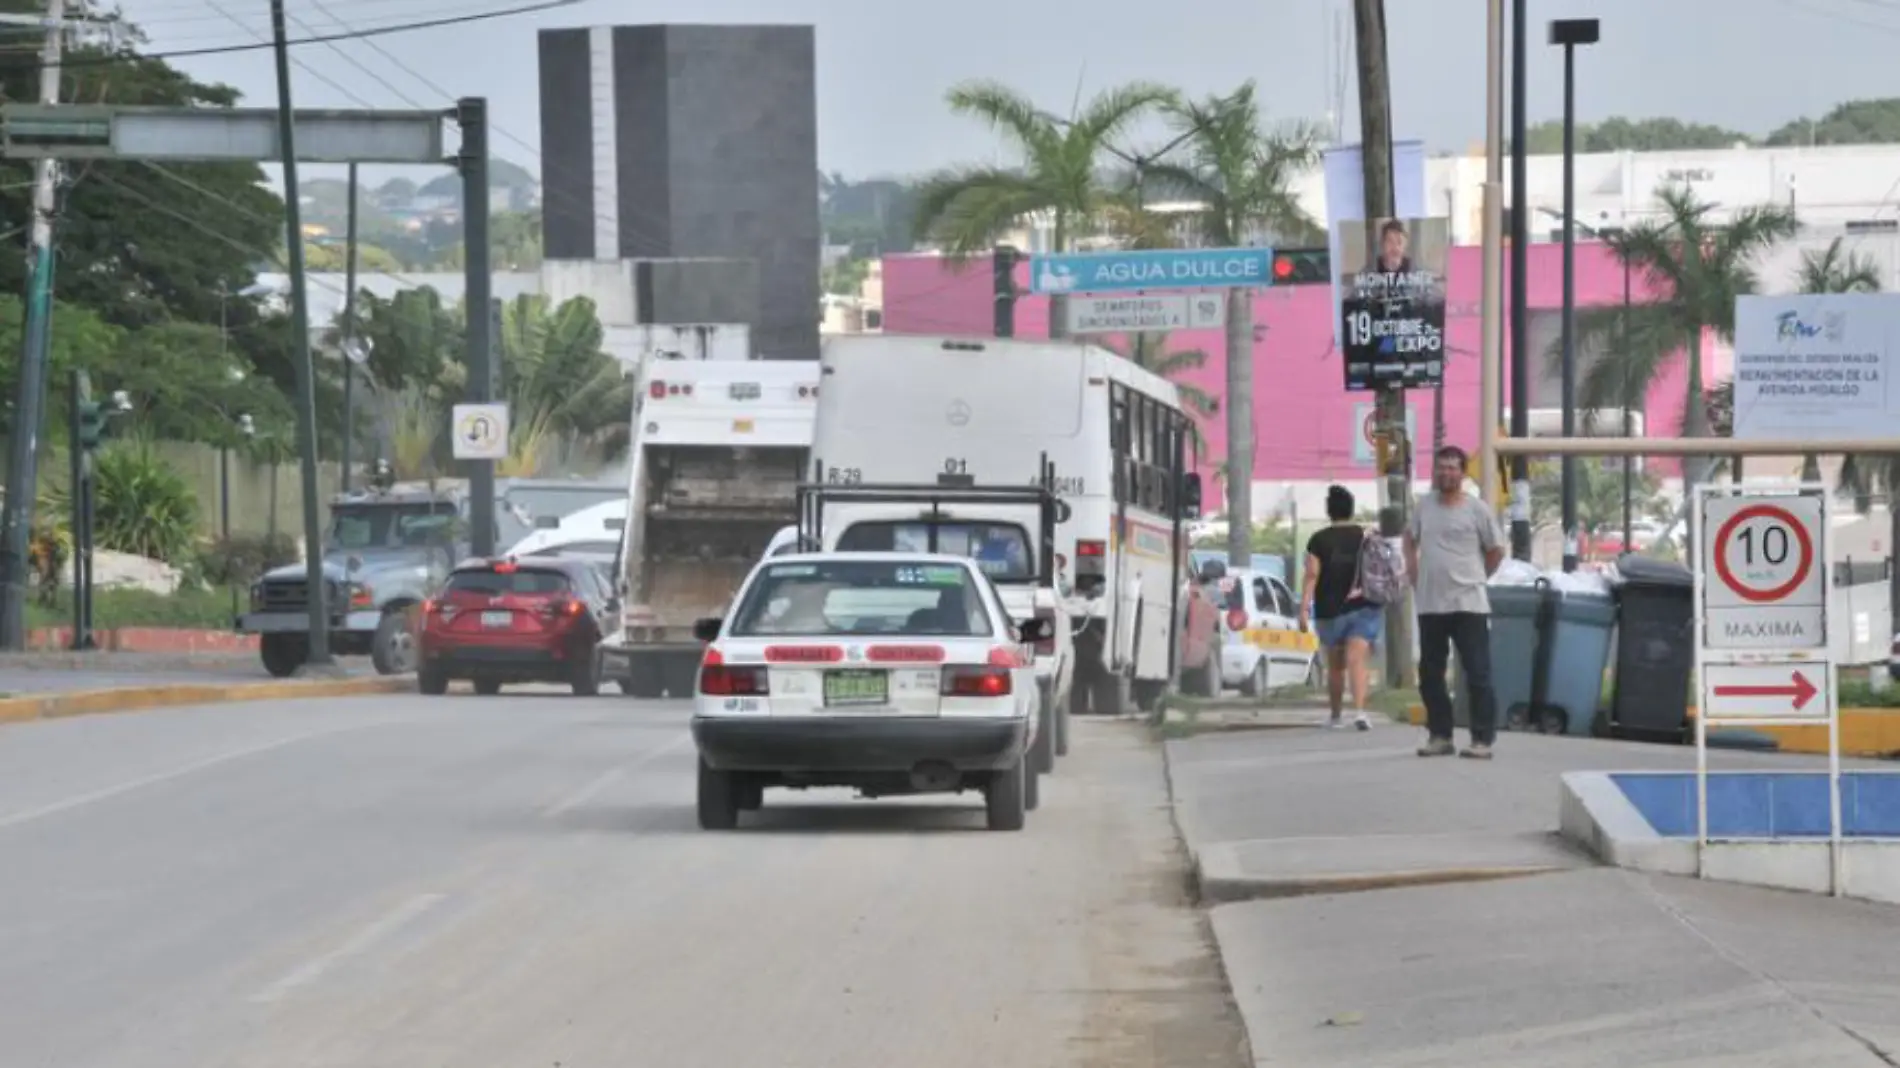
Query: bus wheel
{"type": "Point", "coordinates": [1148, 694]}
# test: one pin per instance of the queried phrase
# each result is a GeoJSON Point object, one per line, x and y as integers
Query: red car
{"type": "Point", "coordinates": [502, 621]}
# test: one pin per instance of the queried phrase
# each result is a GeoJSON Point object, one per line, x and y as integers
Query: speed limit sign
{"type": "Point", "coordinates": [1764, 572]}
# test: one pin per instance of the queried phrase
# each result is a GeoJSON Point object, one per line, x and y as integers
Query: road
{"type": "Point", "coordinates": [518, 882]}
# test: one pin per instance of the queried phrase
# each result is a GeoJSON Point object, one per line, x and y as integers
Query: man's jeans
{"type": "Point", "coordinates": [1471, 633]}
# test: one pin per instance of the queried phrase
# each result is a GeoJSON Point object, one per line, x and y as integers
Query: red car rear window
{"type": "Point", "coordinates": [525, 581]}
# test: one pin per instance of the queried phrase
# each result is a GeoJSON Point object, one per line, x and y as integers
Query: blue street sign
{"type": "Point", "coordinates": [1172, 268]}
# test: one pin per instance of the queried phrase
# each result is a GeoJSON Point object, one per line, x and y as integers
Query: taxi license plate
{"type": "Point", "coordinates": [857, 687]}
{"type": "Point", "coordinates": [497, 619]}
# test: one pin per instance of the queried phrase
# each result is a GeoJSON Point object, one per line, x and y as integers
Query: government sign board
{"type": "Point", "coordinates": [1132, 315]}
{"type": "Point", "coordinates": [1392, 302]}
{"type": "Point", "coordinates": [1817, 367]}
{"type": "Point", "coordinates": [479, 431]}
{"type": "Point", "coordinates": [1764, 572]}
{"type": "Point", "coordinates": [1143, 269]}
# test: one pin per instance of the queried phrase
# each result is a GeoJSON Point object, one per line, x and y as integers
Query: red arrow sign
{"type": "Point", "coordinates": [1800, 691]}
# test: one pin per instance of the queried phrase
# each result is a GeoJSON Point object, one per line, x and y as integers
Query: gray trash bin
{"type": "Point", "coordinates": [1549, 650]}
{"type": "Point", "coordinates": [1655, 650]}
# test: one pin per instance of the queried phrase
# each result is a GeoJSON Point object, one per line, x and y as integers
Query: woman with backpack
{"type": "Point", "coordinates": [1350, 573]}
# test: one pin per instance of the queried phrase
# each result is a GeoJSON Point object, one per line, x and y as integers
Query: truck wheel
{"type": "Point", "coordinates": [432, 680]}
{"type": "Point", "coordinates": [1043, 754]}
{"type": "Point", "coordinates": [393, 651]}
{"type": "Point", "coordinates": [586, 680]}
{"type": "Point", "coordinates": [750, 796]}
{"type": "Point", "coordinates": [487, 687]}
{"type": "Point", "coordinates": [718, 799]}
{"type": "Point", "coordinates": [1004, 802]}
{"type": "Point", "coordinates": [1032, 791]}
{"type": "Point", "coordinates": [283, 654]}
{"type": "Point", "coordinates": [643, 679]}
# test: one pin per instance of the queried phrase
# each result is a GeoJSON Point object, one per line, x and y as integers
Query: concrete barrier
{"type": "Point", "coordinates": [61, 705]}
{"type": "Point", "coordinates": [1773, 827]}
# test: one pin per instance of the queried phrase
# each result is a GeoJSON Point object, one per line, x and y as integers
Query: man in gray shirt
{"type": "Point", "coordinates": [1452, 546]}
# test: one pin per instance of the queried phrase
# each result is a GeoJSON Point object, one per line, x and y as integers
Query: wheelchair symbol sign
{"type": "Point", "coordinates": [480, 431]}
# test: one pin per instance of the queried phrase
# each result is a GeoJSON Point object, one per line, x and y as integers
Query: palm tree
{"type": "Point", "coordinates": [1698, 266]}
{"type": "Point", "coordinates": [965, 210]}
{"type": "Point", "coordinates": [1239, 172]}
{"type": "Point", "coordinates": [564, 392]}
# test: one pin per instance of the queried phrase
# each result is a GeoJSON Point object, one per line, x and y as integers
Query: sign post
{"type": "Point", "coordinates": [1762, 643]}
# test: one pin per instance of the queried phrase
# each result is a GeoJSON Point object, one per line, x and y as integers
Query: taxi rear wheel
{"type": "Point", "coordinates": [1256, 682]}
{"type": "Point", "coordinates": [718, 799]}
{"type": "Point", "coordinates": [1005, 798]}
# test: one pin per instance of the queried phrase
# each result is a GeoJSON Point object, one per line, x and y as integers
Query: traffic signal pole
{"type": "Point", "coordinates": [16, 525]}
{"type": "Point", "coordinates": [87, 427]}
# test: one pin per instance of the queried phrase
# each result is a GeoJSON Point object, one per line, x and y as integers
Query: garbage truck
{"type": "Point", "coordinates": [718, 449]}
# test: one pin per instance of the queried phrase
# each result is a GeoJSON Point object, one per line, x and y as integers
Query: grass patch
{"type": "Point", "coordinates": [199, 609]}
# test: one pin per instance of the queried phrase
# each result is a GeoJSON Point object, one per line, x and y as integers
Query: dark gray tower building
{"type": "Point", "coordinates": [689, 141]}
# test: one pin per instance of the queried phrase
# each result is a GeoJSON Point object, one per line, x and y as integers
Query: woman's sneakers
{"type": "Point", "coordinates": [1360, 722]}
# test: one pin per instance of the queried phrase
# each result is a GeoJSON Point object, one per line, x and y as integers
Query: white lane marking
{"type": "Point", "coordinates": [356, 945]}
{"type": "Point", "coordinates": [14, 819]}
{"type": "Point", "coordinates": [609, 777]}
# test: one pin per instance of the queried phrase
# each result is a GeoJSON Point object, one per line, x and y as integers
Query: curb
{"type": "Point", "coordinates": [139, 698]}
{"type": "Point", "coordinates": [1228, 890]}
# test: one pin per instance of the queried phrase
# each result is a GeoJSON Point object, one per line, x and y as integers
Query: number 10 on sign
{"type": "Point", "coordinates": [1764, 571]}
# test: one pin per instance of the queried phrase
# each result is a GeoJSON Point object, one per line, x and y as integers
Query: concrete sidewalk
{"type": "Point", "coordinates": [1578, 965]}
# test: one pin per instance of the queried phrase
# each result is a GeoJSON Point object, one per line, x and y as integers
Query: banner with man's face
{"type": "Point", "coordinates": [1392, 302]}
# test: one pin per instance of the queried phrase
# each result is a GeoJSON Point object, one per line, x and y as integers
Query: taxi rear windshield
{"type": "Point", "coordinates": [863, 597]}
{"type": "Point", "coordinates": [1001, 550]}
{"type": "Point", "coordinates": [521, 582]}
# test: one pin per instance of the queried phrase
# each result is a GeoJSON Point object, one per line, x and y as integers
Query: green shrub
{"type": "Point", "coordinates": [142, 506]}
{"type": "Point", "coordinates": [243, 557]}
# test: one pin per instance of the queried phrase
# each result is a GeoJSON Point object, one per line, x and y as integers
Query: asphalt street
{"type": "Point", "coordinates": [519, 881]}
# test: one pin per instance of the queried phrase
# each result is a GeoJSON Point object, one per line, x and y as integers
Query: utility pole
{"type": "Point", "coordinates": [1375, 140]}
{"type": "Point", "coordinates": [319, 639]}
{"type": "Point", "coordinates": [471, 113]}
{"type": "Point", "coordinates": [349, 330]}
{"type": "Point", "coordinates": [23, 458]}
{"type": "Point", "coordinates": [1520, 284]}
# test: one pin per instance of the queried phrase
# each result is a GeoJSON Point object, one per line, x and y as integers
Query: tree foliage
{"type": "Point", "coordinates": [1855, 122]}
{"type": "Point", "coordinates": [1618, 134]}
{"type": "Point", "coordinates": [1059, 170]}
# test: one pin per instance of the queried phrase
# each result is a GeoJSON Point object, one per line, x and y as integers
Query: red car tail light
{"type": "Point", "coordinates": [976, 682]}
{"type": "Point", "coordinates": [1047, 646]}
{"type": "Point", "coordinates": [563, 608]}
{"type": "Point", "coordinates": [720, 679]}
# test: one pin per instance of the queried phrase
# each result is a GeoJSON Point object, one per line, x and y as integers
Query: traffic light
{"type": "Point", "coordinates": [1302, 267]}
{"type": "Point", "coordinates": [92, 424]}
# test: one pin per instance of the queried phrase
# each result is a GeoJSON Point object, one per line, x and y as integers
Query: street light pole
{"type": "Point", "coordinates": [1568, 34]}
{"type": "Point", "coordinates": [1520, 282]}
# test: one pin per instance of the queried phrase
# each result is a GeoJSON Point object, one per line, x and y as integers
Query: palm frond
{"type": "Point", "coordinates": [1008, 113]}
{"type": "Point", "coordinates": [965, 210]}
{"type": "Point", "coordinates": [1835, 270]}
{"type": "Point", "coordinates": [1109, 113]}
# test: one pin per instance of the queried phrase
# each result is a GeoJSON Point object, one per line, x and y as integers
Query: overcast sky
{"type": "Point", "coordinates": [883, 68]}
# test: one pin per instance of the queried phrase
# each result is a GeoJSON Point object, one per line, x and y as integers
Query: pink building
{"type": "Point", "coordinates": [1306, 425]}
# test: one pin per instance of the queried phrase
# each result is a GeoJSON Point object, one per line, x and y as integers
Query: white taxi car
{"type": "Point", "coordinates": [1262, 645]}
{"type": "Point", "coordinates": [891, 673]}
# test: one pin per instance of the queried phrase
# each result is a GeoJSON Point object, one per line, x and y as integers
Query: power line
{"type": "Point", "coordinates": [355, 35]}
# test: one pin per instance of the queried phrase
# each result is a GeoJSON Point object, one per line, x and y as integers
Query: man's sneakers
{"type": "Point", "coordinates": [1437, 747]}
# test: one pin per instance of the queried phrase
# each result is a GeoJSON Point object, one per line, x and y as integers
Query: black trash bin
{"type": "Point", "coordinates": [1655, 650]}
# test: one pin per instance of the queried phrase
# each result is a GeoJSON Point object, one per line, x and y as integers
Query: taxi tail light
{"type": "Point", "coordinates": [1047, 646]}
{"type": "Point", "coordinates": [976, 682]}
{"type": "Point", "coordinates": [1236, 619]}
{"type": "Point", "coordinates": [720, 679]}
{"type": "Point", "coordinates": [656, 389]}
{"type": "Point", "coordinates": [1090, 557]}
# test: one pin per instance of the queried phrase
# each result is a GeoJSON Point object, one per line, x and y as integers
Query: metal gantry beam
{"type": "Point", "coordinates": [1691, 447]}
{"type": "Point", "coordinates": [90, 131]}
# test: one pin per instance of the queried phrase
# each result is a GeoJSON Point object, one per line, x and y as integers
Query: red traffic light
{"type": "Point", "coordinates": [1282, 268]}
